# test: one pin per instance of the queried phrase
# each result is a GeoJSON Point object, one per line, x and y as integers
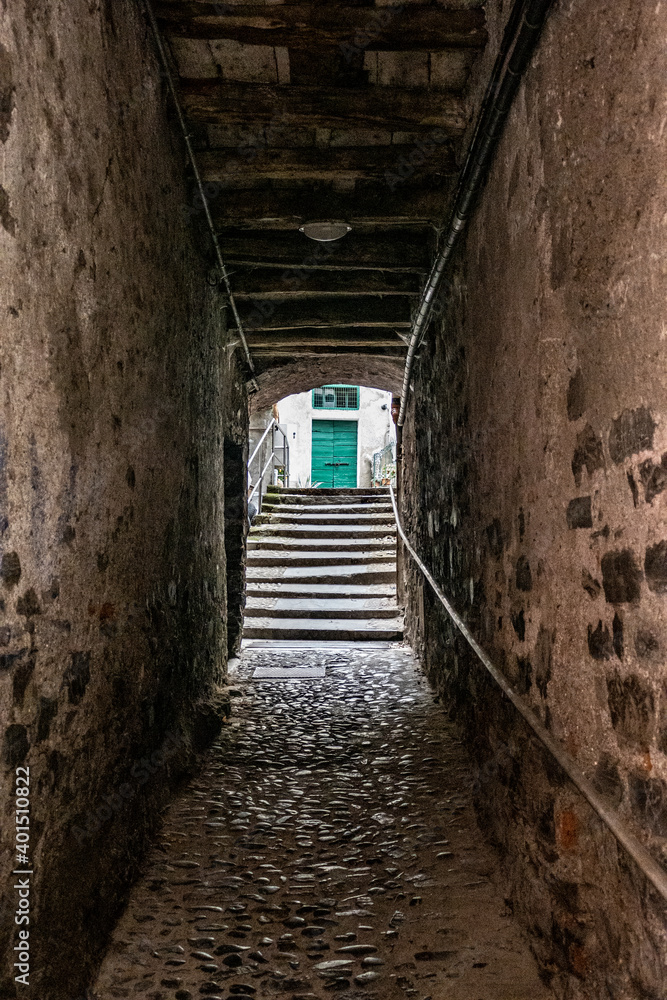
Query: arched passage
{"type": "Point", "coordinates": [300, 375]}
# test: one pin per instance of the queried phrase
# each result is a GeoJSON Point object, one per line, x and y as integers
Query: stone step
{"type": "Point", "coordinates": [273, 557]}
{"type": "Point", "coordinates": [323, 531]}
{"type": "Point", "coordinates": [276, 588]}
{"type": "Point", "coordinates": [323, 607]}
{"type": "Point", "coordinates": [326, 628]}
{"type": "Point", "coordinates": [310, 491]}
{"type": "Point", "coordinates": [322, 567]}
{"type": "Point", "coordinates": [257, 543]}
{"type": "Point", "coordinates": [341, 519]}
{"type": "Point", "coordinates": [319, 644]}
{"type": "Point", "coordinates": [370, 573]}
{"type": "Point", "coordinates": [325, 500]}
{"type": "Point", "coordinates": [293, 510]}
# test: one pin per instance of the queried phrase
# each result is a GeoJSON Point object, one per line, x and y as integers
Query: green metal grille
{"type": "Point", "coordinates": [336, 397]}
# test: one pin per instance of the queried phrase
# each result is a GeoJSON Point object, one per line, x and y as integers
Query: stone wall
{"type": "Point", "coordinates": [535, 486]}
{"type": "Point", "coordinates": [116, 393]}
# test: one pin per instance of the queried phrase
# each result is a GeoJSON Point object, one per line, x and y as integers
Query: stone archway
{"type": "Point", "coordinates": [307, 373]}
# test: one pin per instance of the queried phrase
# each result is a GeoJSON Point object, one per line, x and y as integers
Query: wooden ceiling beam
{"type": "Point", "coordinates": [290, 206]}
{"type": "Point", "coordinates": [326, 312]}
{"type": "Point", "coordinates": [333, 349]}
{"type": "Point", "coordinates": [316, 163]}
{"type": "Point", "coordinates": [273, 284]}
{"type": "Point", "coordinates": [320, 25]}
{"type": "Point", "coordinates": [438, 113]}
{"type": "Point", "coordinates": [393, 250]}
{"type": "Point", "coordinates": [335, 337]}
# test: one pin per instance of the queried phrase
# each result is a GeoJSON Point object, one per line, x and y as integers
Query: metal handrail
{"type": "Point", "coordinates": [646, 863]}
{"type": "Point", "coordinates": [261, 478]}
{"type": "Point", "coordinates": [271, 428]}
{"type": "Point", "coordinates": [274, 423]}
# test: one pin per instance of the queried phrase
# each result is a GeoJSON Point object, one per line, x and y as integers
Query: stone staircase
{"type": "Point", "coordinates": [322, 566]}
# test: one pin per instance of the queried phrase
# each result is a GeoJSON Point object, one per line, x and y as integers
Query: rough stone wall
{"type": "Point", "coordinates": [535, 486]}
{"type": "Point", "coordinates": [116, 392]}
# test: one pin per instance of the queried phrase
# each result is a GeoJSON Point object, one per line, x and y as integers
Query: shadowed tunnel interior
{"type": "Point", "coordinates": [532, 475]}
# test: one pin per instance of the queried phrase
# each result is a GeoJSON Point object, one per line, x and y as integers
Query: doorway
{"type": "Point", "coordinates": [334, 453]}
{"type": "Point", "coordinates": [236, 519]}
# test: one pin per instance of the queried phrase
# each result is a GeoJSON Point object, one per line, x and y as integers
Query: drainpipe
{"type": "Point", "coordinates": [490, 123]}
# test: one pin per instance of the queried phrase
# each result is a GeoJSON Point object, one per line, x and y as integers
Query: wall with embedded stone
{"type": "Point", "coordinates": [116, 395]}
{"type": "Point", "coordinates": [536, 489]}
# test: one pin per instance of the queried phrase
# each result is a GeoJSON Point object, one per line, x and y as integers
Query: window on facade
{"type": "Point", "coordinates": [336, 397]}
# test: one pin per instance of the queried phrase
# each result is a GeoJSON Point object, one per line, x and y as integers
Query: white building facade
{"type": "Point", "coordinates": [333, 433]}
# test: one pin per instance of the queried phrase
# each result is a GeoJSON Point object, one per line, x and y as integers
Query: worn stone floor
{"type": "Point", "coordinates": [327, 848]}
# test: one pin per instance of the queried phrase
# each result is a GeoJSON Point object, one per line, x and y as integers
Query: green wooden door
{"type": "Point", "coordinates": [334, 453]}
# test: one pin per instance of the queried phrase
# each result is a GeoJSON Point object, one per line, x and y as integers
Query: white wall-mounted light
{"type": "Point", "coordinates": [325, 232]}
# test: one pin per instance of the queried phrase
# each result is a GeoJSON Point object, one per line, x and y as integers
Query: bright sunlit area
{"type": "Point", "coordinates": [339, 436]}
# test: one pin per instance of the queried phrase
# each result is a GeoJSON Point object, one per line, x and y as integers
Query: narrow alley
{"type": "Point", "coordinates": [333, 499]}
{"type": "Point", "coordinates": [329, 846]}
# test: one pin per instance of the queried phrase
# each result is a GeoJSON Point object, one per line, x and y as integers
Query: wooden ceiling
{"type": "Point", "coordinates": [325, 111]}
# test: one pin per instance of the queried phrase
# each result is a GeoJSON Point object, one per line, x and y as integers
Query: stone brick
{"type": "Point", "coordinates": [630, 433]}
{"type": "Point", "coordinates": [646, 644]}
{"type": "Point", "coordinates": [7, 93]}
{"type": "Point", "coordinates": [600, 645]}
{"type": "Point", "coordinates": [46, 713]}
{"type": "Point", "coordinates": [10, 569]}
{"type": "Point", "coordinates": [607, 779]}
{"type": "Point", "coordinates": [542, 658]}
{"type": "Point", "coordinates": [655, 567]}
{"type": "Point", "coordinates": [494, 534]}
{"type": "Point", "coordinates": [648, 798]}
{"type": "Point", "coordinates": [524, 577]}
{"type": "Point", "coordinates": [28, 604]}
{"type": "Point", "coordinates": [519, 625]}
{"type": "Point", "coordinates": [621, 577]}
{"type": "Point", "coordinates": [653, 478]}
{"type": "Point", "coordinates": [568, 830]}
{"type": "Point", "coordinates": [587, 454]}
{"type": "Point", "coordinates": [579, 513]}
{"type": "Point", "coordinates": [662, 719]}
{"type": "Point", "coordinates": [16, 745]}
{"type": "Point", "coordinates": [77, 677]}
{"type": "Point", "coordinates": [576, 396]}
{"type": "Point", "coordinates": [617, 631]}
{"type": "Point", "coordinates": [632, 708]}
{"type": "Point", "coordinates": [525, 672]}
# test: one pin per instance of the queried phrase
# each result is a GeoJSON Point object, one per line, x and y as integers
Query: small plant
{"type": "Point", "coordinates": [306, 484]}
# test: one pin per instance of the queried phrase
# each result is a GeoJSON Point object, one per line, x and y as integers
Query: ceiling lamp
{"type": "Point", "coordinates": [324, 232]}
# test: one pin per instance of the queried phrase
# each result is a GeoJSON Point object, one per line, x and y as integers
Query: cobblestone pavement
{"type": "Point", "coordinates": [328, 848]}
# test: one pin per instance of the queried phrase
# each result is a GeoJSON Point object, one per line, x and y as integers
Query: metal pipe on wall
{"type": "Point", "coordinates": [493, 114]}
{"type": "Point", "coordinates": [202, 194]}
{"type": "Point", "coordinates": [652, 869]}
